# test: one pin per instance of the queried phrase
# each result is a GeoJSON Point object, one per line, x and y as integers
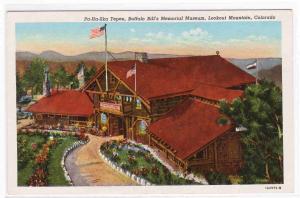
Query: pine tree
{"type": "Point", "coordinates": [89, 73]}
{"type": "Point", "coordinates": [60, 78]}
{"type": "Point", "coordinates": [34, 76]}
{"type": "Point", "coordinates": [260, 112]}
{"type": "Point", "coordinates": [19, 86]}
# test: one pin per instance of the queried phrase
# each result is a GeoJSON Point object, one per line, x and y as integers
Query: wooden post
{"type": "Point", "coordinates": [132, 128]}
{"type": "Point", "coordinates": [216, 155]}
{"type": "Point", "coordinates": [149, 141]}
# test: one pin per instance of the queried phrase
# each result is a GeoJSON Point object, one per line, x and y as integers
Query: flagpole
{"type": "Point", "coordinates": [135, 72]}
{"type": "Point", "coordinates": [106, 79]}
{"type": "Point", "coordinates": [256, 72]}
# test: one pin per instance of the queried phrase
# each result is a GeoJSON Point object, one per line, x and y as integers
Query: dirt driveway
{"type": "Point", "coordinates": [86, 168]}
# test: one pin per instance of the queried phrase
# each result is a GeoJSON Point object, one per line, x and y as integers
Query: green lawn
{"type": "Point", "coordinates": [27, 154]}
{"type": "Point", "coordinates": [163, 177]}
{"type": "Point", "coordinates": [26, 171]}
{"type": "Point", "coordinates": [56, 174]}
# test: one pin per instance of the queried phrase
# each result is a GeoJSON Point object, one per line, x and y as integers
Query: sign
{"type": "Point", "coordinates": [110, 107]}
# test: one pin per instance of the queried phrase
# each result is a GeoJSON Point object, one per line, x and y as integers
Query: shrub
{"type": "Point", "coordinates": [81, 136]}
{"type": "Point", "coordinates": [124, 165]}
{"type": "Point", "coordinates": [144, 171]}
{"type": "Point", "coordinates": [24, 154]}
{"type": "Point", "coordinates": [148, 158]}
{"type": "Point", "coordinates": [155, 170]}
{"type": "Point", "coordinates": [217, 178]}
{"type": "Point", "coordinates": [132, 159]}
{"type": "Point", "coordinates": [39, 178]}
{"type": "Point", "coordinates": [136, 171]}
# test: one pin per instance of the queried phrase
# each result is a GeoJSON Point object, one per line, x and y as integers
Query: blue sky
{"type": "Point", "coordinates": [232, 39]}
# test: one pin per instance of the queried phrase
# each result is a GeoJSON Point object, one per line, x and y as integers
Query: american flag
{"type": "Point", "coordinates": [131, 72]}
{"type": "Point", "coordinates": [96, 32]}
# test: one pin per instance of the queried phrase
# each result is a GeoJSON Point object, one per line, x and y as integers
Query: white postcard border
{"type": "Point", "coordinates": [287, 58]}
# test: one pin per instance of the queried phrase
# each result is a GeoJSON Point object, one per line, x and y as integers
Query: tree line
{"type": "Point", "coordinates": [259, 111]}
{"type": "Point", "coordinates": [34, 77]}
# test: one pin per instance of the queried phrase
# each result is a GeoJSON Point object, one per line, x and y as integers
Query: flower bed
{"type": "Point", "coordinates": [39, 176]}
{"type": "Point", "coordinates": [38, 152]}
{"type": "Point", "coordinates": [139, 164]}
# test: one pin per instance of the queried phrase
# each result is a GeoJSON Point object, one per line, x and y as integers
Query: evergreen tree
{"type": "Point", "coordinates": [260, 112]}
{"type": "Point", "coordinates": [19, 87]}
{"type": "Point", "coordinates": [74, 83]}
{"type": "Point", "coordinates": [89, 73]}
{"type": "Point", "coordinates": [34, 76]}
{"type": "Point", "coordinates": [60, 78]}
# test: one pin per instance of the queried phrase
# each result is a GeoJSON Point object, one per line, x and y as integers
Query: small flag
{"type": "Point", "coordinates": [252, 65]}
{"type": "Point", "coordinates": [97, 32]}
{"type": "Point", "coordinates": [131, 72]}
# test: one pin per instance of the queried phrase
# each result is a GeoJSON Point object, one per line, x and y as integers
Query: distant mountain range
{"type": "Point", "coordinates": [89, 56]}
{"type": "Point", "coordinates": [269, 68]}
{"type": "Point", "coordinates": [274, 74]}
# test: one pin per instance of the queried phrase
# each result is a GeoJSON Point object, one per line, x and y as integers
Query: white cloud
{"type": "Point", "coordinates": [196, 33]}
{"type": "Point", "coordinates": [132, 30]}
{"type": "Point", "coordinates": [159, 35]}
{"type": "Point", "coordinates": [250, 39]}
{"type": "Point", "coordinates": [256, 38]}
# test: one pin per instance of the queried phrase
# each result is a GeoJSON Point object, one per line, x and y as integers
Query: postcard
{"type": "Point", "coordinates": [149, 102]}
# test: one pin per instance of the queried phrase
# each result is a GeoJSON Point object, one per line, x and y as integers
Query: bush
{"type": "Point", "coordinates": [217, 178]}
{"type": "Point", "coordinates": [155, 170]}
{"type": "Point", "coordinates": [125, 166]}
{"type": "Point", "coordinates": [132, 160]}
{"type": "Point", "coordinates": [144, 171]}
{"type": "Point", "coordinates": [24, 154]}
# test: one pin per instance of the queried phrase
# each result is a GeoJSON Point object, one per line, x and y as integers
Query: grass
{"type": "Point", "coordinates": [164, 177]}
{"type": "Point", "coordinates": [56, 174]}
{"type": "Point", "coordinates": [25, 172]}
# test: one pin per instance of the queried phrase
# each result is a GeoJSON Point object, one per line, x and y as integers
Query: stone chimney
{"type": "Point", "coordinates": [142, 57]}
{"type": "Point", "coordinates": [46, 84]}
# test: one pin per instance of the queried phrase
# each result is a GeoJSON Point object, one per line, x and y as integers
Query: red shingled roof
{"type": "Point", "coordinates": [189, 127]}
{"type": "Point", "coordinates": [208, 92]}
{"type": "Point", "coordinates": [64, 102]}
{"type": "Point", "coordinates": [216, 93]}
{"type": "Point", "coordinates": [173, 75]}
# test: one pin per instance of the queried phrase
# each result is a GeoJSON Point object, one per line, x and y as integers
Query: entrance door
{"type": "Point", "coordinates": [116, 125]}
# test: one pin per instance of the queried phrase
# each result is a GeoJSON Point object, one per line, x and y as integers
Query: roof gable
{"type": "Point", "coordinates": [189, 127]}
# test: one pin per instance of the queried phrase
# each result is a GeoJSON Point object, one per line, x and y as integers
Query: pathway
{"type": "Point", "coordinates": [86, 168]}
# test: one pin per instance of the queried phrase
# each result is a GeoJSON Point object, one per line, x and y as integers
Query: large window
{"type": "Point", "coordinates": [103, 119]}
{"type": "Point", "coordinates": [138, 104]}
{"type": "Point", "coordinates": [142, 127]}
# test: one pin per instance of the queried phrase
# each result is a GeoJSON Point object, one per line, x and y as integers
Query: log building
{"type": "Point", "coordinates": [174, 108]}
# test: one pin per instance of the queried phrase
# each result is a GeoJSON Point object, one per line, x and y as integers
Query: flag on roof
{"type": "Point", "coordinates": [252, 65]}
{"type": "Point", "coordinates": [97, 32]}
{"type": "Point", "coordinates": [131, 72]}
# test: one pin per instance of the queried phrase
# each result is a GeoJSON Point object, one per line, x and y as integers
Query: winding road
{"type": "Point", "coordinates": [86, 168]}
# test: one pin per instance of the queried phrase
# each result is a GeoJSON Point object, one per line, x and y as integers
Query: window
{"type": "Point", "coordinates": [128, 99]}
{"type": "Point", "coordinates": [118, 98]}
{"type": "Point", "coordinates": [103, 118]}
{"type": "Point", "coordinates": [142, 127]}
{"type": "Point", "coordinates": [138, 104]}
